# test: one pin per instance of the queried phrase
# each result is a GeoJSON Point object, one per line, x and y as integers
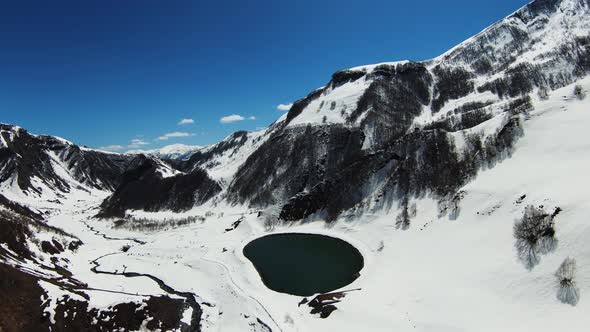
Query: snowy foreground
{"type": "Point", "coordinates": [439, 275]}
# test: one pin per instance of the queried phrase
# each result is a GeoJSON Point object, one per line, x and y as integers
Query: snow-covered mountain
{"type": "Point", "coordinates": [410, 128]}
{"type": "Point", "coordinates": [173, 151]}
{"type": "Point", "coordinates": [460, 179]}
{"type": "Point", "coordinates": [39, 167]}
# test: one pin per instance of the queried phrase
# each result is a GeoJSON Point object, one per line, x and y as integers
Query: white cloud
{"type": "Point", "coordinates": [137, 143]}
{"type": "Point", "coordinates": [185, 122]}
{"type": "Point", "coordinates": [113, 148]}
{"type": "Point", "coordinates": [235, 118]}
{"type": "Point", "coordinates": [174, 134]}
{"type": "Point", "coordinates": [284, 107]}
{"type": "Point", "coordinates": [232, 118]}
{"type": "Point", "coordinates": [133, 144]}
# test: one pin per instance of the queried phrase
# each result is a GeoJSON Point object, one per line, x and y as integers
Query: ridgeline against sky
{"type": "Point", "coordinates": [143, 74]}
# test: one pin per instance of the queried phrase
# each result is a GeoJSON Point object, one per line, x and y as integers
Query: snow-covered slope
{"type": "Point", "coordinates": [427, 278]}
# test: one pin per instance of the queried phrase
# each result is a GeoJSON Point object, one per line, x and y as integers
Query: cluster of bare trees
{"type": "Point", "coordinates": [151, 225]}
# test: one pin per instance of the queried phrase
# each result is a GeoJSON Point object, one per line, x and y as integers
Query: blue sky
{"type": "Point", "coordinates": [111, 72]}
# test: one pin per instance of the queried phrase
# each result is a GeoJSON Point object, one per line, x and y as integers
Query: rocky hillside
{"type": "Point", "coordinates": [151, 185]}
{"type": "Point", "coordinates": [393, 131]}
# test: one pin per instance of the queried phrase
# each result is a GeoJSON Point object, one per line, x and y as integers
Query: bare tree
{"type": "Point", "coordinates": [535, 236]}
{"type": "Point", "coordinates": [567, 291]}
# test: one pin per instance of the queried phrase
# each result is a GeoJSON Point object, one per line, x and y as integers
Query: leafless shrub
{"type": "Point", "coordinates": [543, 93]}
{"type": "Point", "coordinates": [412, 210]}
{"type": "Point", "coordinates": [270, 221]}
{"type": "Point", "coordinates": [403, 219]}
{"type": "Point", "coordinates": [451, 206]}
{"type": "Point", "coordinates": [270, 218]}
{"type": "Point", "coordinates": [579, 92]}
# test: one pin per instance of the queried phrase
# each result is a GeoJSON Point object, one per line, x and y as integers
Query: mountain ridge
{"type": "Point", "coordinates": [488, 78]}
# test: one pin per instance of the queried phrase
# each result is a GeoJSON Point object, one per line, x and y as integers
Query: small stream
{"type": "Point", "coordinates": [190, 297]}
{"type": "Point", "coordinates": [195, 324]}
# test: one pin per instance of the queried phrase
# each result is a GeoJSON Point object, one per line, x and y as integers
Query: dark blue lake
{"type": "Point", "coordinates": [304, 264]}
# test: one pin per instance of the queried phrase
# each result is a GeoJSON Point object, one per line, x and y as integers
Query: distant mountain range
{"type": "Point", "coordinates": [173, 151]}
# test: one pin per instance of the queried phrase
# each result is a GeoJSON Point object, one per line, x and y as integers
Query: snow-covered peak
{"type": "Point", "coordinates": [369, 68]}
{"type": "Point", "coordinates": [536, 28]}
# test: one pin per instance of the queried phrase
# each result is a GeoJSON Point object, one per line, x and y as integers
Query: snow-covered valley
{"type": "Point", "coordinates": [440, 275]}
{"type": "Point", "coordinates": [461, 181]}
